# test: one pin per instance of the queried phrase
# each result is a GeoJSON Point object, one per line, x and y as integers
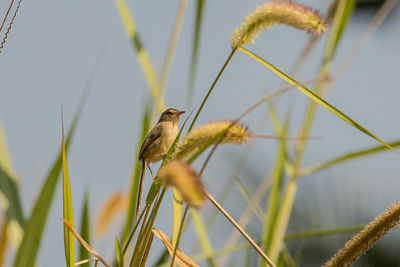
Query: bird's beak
{"type": "Point", "coordinates": [181, 112]}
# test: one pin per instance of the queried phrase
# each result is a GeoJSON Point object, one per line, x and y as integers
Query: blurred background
{"type": "Point", "coordinates": [55, 47]}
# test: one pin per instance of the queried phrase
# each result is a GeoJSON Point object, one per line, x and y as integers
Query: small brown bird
{"type": "Point", "coordinates": [157, 144]}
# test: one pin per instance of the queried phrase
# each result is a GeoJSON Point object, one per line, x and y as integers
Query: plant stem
{"type": "Point", "coordinates": [178, 238]}
{"type": "Point", "coordinates": [240, 229]}
{"type": "Point", "coordinates": [172, 44]}
{"type": "Point", "coordinates": [211, 88]}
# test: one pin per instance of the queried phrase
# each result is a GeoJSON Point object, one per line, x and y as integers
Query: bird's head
{"type": "Point", "coordinates": [171, 114]}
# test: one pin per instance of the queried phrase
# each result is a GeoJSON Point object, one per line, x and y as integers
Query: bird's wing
{"type": "Point", "coordinates": [151, 137]}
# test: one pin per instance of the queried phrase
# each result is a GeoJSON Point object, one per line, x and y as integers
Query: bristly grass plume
{"type": "Point", "coordinates": [183, 177]}
{"type": "Point", "coordinates": [202, 135]}
{"type": "Point", "coordinates": [367, 238]}
{"type": "Point", "coordinates": [278, 12]}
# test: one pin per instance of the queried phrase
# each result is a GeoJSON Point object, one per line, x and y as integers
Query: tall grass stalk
{"type": "Point", "coordinates": [342, 14]}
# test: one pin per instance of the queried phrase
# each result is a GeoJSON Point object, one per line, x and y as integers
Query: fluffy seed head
{"type": "Point", "coordinates": [184, 178]}
{"type": "Point", "coordinates": [202, 135]}
{"type": "Point", "coordinates": [278, 12]}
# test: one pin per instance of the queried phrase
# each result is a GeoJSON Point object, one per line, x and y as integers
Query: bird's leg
{"type": "Point", "coordinates": [152, 175]}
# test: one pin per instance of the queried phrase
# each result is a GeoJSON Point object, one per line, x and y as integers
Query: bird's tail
{"type": "Point", "coordinates": [139, 199]}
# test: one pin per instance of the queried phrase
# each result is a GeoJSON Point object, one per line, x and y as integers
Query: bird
{"type": "Point", "coordinates": [157, 143]}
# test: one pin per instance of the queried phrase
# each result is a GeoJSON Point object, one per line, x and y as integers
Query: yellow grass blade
{"type": "Point", "coordinates": [69, 240]}
{"type": "Point", "coordinates": [143, 57]}
{"type": "Point", "coordinates": [203, 236]}
{"type": "Point", "coordinates": [177, 214]}
{"type": "Point", "coordinates": [181, 258]}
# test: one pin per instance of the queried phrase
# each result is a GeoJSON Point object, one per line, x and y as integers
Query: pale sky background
{"type": "Point", "coordinates": [53, 47]}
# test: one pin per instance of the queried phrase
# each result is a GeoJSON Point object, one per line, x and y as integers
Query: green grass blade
{"type": "Point", "coordinates": [27, 252]}
{"type": "Point", "coordinates": [85, 230]}
{"type": "Point", "coordinates": [142, 55]}
{"type": "Point", "coordinates": [195, 49]}
{"type": "Point", "coordinates": [342, 13]}
{"type": "Point", "coordinates": [346, 157]}
{"type": "Point", "coordinates": [13, 209]}
{"type": "Point", "coordinates": [172, 44]}
{"type": "Point", "coordinates": [203, 236]}
{"type": "Point", "coordinates": [341, 17]}
{"type": "Point", "coordinates": [10, 199]}
{"type": "Point", "coordinates": [315, 97]}
{"type": "Point", "coordinates": [134, 190]}
{"type": "Point", "coordinates": [273, 204]}
{"type": "Point", "coordinates": [339, 25]}
{"type": "Point", "coordinates": [68, 213]}
{"type": "Point", "coordinates": [323, 232]}
{"type": "Point", "coordinates": [249, 199]}
{"type": "Point", "coordinates": [118, 252]}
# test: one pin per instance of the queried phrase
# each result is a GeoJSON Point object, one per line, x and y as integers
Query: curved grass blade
{"type": "Point", "coordinates": [316, 98]}
{"type": "Point", "coordinates": [323, 232]}
{"type": "Point", "coordinates": [346, 157]}
{"type": "Point", "coordinates": [195, 49]}
{"type": "Point", "coordinates": [68, 213]}
{"type": "Point", "coordinates": [27, 252]}
{"type": "Point", "coordinates": [143, 57]}
{"type": "Point", "coordinates": [181, 258]}
{"type": "Point", "coordinates": [85, 244]}
{"type": "Point", "coordinates": [341, 15]}
{"type": "Point", "coordinates": [85, 230]}
{"type": "Point", "coordinates": [10, 199]}
{"type": "Point", "coordinates": [35, 225]}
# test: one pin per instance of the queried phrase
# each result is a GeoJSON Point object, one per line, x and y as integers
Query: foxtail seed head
{"type": "Point", "coordinates": [183, 177]}
{"type": "Point", "coordinates": [202, 135]}
{"type": "Point", "coordinates": [278, 12]}
{"type": "Point", "coordinates": [366, 238]}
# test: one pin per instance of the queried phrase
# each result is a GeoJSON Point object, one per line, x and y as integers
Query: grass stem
{"type": "Point", "coordinates": [240, 229]}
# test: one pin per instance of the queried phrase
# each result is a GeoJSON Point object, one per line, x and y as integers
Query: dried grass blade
{"type": "Point", "coordinates": [181, 258]}
{"type": "Point", "coordinates": [85, 244]}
